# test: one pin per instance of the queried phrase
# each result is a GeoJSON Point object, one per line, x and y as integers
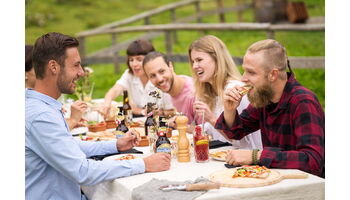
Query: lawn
{"type": "Point", "coordinates": [73, 16]}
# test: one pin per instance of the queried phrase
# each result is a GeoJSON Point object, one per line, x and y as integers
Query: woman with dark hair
{"type": "Point", "coordinates": [134, 80]}
{"type": "Point", "coordinates": [30, 73]}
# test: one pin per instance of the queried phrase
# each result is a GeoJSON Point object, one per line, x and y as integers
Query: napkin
{"type": "Point", "coordinates": [150, 190]}
{"type": "Point", "coordinates": [217, 143]}
{"type": "Point", "coordinates": [101, 157]}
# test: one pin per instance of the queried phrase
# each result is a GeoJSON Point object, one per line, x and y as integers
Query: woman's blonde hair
{"type": "Point", "coordinates": [225, 69]}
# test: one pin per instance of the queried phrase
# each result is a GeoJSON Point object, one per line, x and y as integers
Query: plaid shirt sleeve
{"type": "Point", "coordinates": [244, 124]}
{"type": "Point", "coordinates": [308, 154]}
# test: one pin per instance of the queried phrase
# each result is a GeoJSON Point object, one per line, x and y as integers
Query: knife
{"type": "Point", "coordinates": [190, 187]}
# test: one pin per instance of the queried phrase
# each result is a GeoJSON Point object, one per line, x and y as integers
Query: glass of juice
{"type": "Point", "coordinates": [201, 145]}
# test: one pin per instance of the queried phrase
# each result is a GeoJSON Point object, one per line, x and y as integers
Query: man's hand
{"type": "Point", "coordinates": [239, 157]}
{"type": "Point", "coordinates": [78, 108]}
{"type": "Point", "coordinates": [157, 162]}
{"type": "Point", "coordinates": [171, 122]}
{"type": "Point", "coordinates": [130, 139]}
{"type": "Point", "coordinates": [232, 98]}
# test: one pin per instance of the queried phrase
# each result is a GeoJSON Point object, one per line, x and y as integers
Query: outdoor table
{"type": "Point", "coordinates": [311, 188]}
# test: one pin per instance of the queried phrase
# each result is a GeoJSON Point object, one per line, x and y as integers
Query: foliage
{"type": "Point", "coordinates": [73, 16]}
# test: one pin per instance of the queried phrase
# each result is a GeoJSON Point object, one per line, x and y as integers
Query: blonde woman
{"type": "Point", "coordinates": [213, 70]}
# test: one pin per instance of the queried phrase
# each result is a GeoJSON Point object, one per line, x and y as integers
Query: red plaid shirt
{"type": "Point", "coordinates": [292, 130]}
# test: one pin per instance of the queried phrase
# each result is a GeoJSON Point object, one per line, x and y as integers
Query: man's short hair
{"type": "Point", "coordinates": [153, 55]}
{"type": "Point", "coordinates": [28, 56]}
{"type": "Point", "coordinates": [51, 46]}
{"type": "Point", "coordinates": [273, 52]}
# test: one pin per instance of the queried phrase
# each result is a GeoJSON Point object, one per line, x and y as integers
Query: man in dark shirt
{"type": "Point", "coordinates": [290, 116]}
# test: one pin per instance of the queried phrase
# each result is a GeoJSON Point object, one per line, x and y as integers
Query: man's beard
{"type": "Point", "coordinates": [262, 96]}
{"type": "Point", "coordinates": [63, 84]}
{"type": "Point", "coordinates": [171, 81]}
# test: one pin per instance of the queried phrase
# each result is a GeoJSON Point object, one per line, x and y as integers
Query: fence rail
{"type": "Point", "coordinates": [115, 29]}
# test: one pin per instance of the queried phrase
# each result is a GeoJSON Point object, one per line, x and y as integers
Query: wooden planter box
{"type": "Point", "coordinates": [102, 126]}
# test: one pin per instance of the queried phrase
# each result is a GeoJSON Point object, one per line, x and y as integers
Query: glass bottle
{"type": "Point", "coordinates": [151, 127]}
{"type": "Point", "coordinates": [127, 108]}
{"type": "Point", "coordinates": [121, 128]}
{"type": "Point", "coordinates": [162, 143]}
{"type": "Point", "coordinates": [162, 124]}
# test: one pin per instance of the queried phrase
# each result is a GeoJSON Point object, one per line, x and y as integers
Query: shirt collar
{"type": "Point", "coordinates": [30, 93]}
{"type": "Point", "coordinates": [287, 92]}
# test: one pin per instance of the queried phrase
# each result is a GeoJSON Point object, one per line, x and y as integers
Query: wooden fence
{"type": "Point", "coordinates": [111, 54]}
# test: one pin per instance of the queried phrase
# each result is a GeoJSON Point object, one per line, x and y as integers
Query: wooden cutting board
{"type": "Point", "coordinates": [224, 177]}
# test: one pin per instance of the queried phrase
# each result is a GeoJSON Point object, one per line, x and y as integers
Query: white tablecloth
{"type": "Point", "coordinates": [311, 188]}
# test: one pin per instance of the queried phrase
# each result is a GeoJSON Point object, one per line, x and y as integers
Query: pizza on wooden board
{"type": "Point", "coordinates": [252, 171]}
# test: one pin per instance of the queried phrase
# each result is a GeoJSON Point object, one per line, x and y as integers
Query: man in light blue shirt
{"type": "Point", "coordinates": [55, 163]}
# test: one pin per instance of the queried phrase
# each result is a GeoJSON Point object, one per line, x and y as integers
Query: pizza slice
{"type": "Point", "coordinates": [252, 171]}
{"type": "Point", "coordinates": [126, 157]}
{"type": "Point", "coordinates": [219, 154]}
{"type": "Point", "coordinates": [245, 89]}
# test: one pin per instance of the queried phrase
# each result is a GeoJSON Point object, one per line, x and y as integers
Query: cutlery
{"type": "Point", "coordinates": [191, 187]}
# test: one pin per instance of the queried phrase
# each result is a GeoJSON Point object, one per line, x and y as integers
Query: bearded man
{"type": "Point", "coordinates": [289, 115]}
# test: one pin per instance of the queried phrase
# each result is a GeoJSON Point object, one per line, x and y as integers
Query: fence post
{"type": "Point", "coordinates": [199, 19]}
{"type": "Point", "coordinates": [116, 57]}
{"type": "Point", "coordinates": [270, 34]}
{"type": "Point", "coordinates": [168, 43]}
{"type": "Point", "coordinates": [198, 10]}
{"type": "Point", "coordinates": [239, 12]}
{"type": "Point", "coordinates": [173, 19]}
{"type": "Point", "coordinates": [147, 21]}
{"type": "Point", "coordinates": [219, 8]}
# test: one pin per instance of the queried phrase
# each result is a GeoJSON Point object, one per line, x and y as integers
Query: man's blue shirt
{"type": "Point", "coordinates": [56, 164]}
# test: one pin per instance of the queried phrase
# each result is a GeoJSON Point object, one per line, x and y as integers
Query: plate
{"type": "Point", "coordinates": [125, 156]}
{"type": "Point", "coordinates": [219, 154]}
{"type": "Point", "coordinates": [79, 130]}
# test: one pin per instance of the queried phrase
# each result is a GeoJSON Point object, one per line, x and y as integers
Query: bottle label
{"type": "Point", "coordinates": [119, 134]}
{"type": "Point", "coordinates": [128, 117]}
{"type": "Point", "coordinates": [151, 131]}
{"type": "Point", "coordinates": [165, 148]}
{"type": "Point", "coordinates": [162, 128]}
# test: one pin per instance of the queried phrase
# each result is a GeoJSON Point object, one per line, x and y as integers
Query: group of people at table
{"type": "Point", "coordinates": [279, 120]}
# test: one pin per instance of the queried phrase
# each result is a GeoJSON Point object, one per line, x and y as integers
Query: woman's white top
{"type": "Point", "coordinates": [139, 95]}
{"type": "Point", "coordinates": [251, 141]}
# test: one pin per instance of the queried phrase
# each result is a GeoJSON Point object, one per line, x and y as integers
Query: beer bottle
{"type": "Point", "coordinates": [150, 123]}
{"type": "Point", "coordinates": [151, 127]}
{"type": "Point", "coordinates": [127, 108]}
{"type": "Point", "coordinates": [162, 124]}
{"type": "Point", "coordinates": [121, 128]}
{"type": "Point", "coordinates": [162, 143]}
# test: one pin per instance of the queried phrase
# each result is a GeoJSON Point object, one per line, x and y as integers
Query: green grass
{"type": "Point", "coordinates": [72, 16]}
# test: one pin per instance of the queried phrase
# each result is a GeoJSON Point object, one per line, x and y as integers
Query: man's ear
{"type": "Point", "coordinates": [171, 66]}
{"type": "Point", "coordinates": [273, 75]}
{"type": "Point", "coordinates": [53, 67]}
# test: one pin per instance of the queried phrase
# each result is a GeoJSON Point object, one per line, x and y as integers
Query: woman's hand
{"type": "Point", "coordinates": [201, 108]}
{"type": "Point", "coordinates": [104, 109]}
